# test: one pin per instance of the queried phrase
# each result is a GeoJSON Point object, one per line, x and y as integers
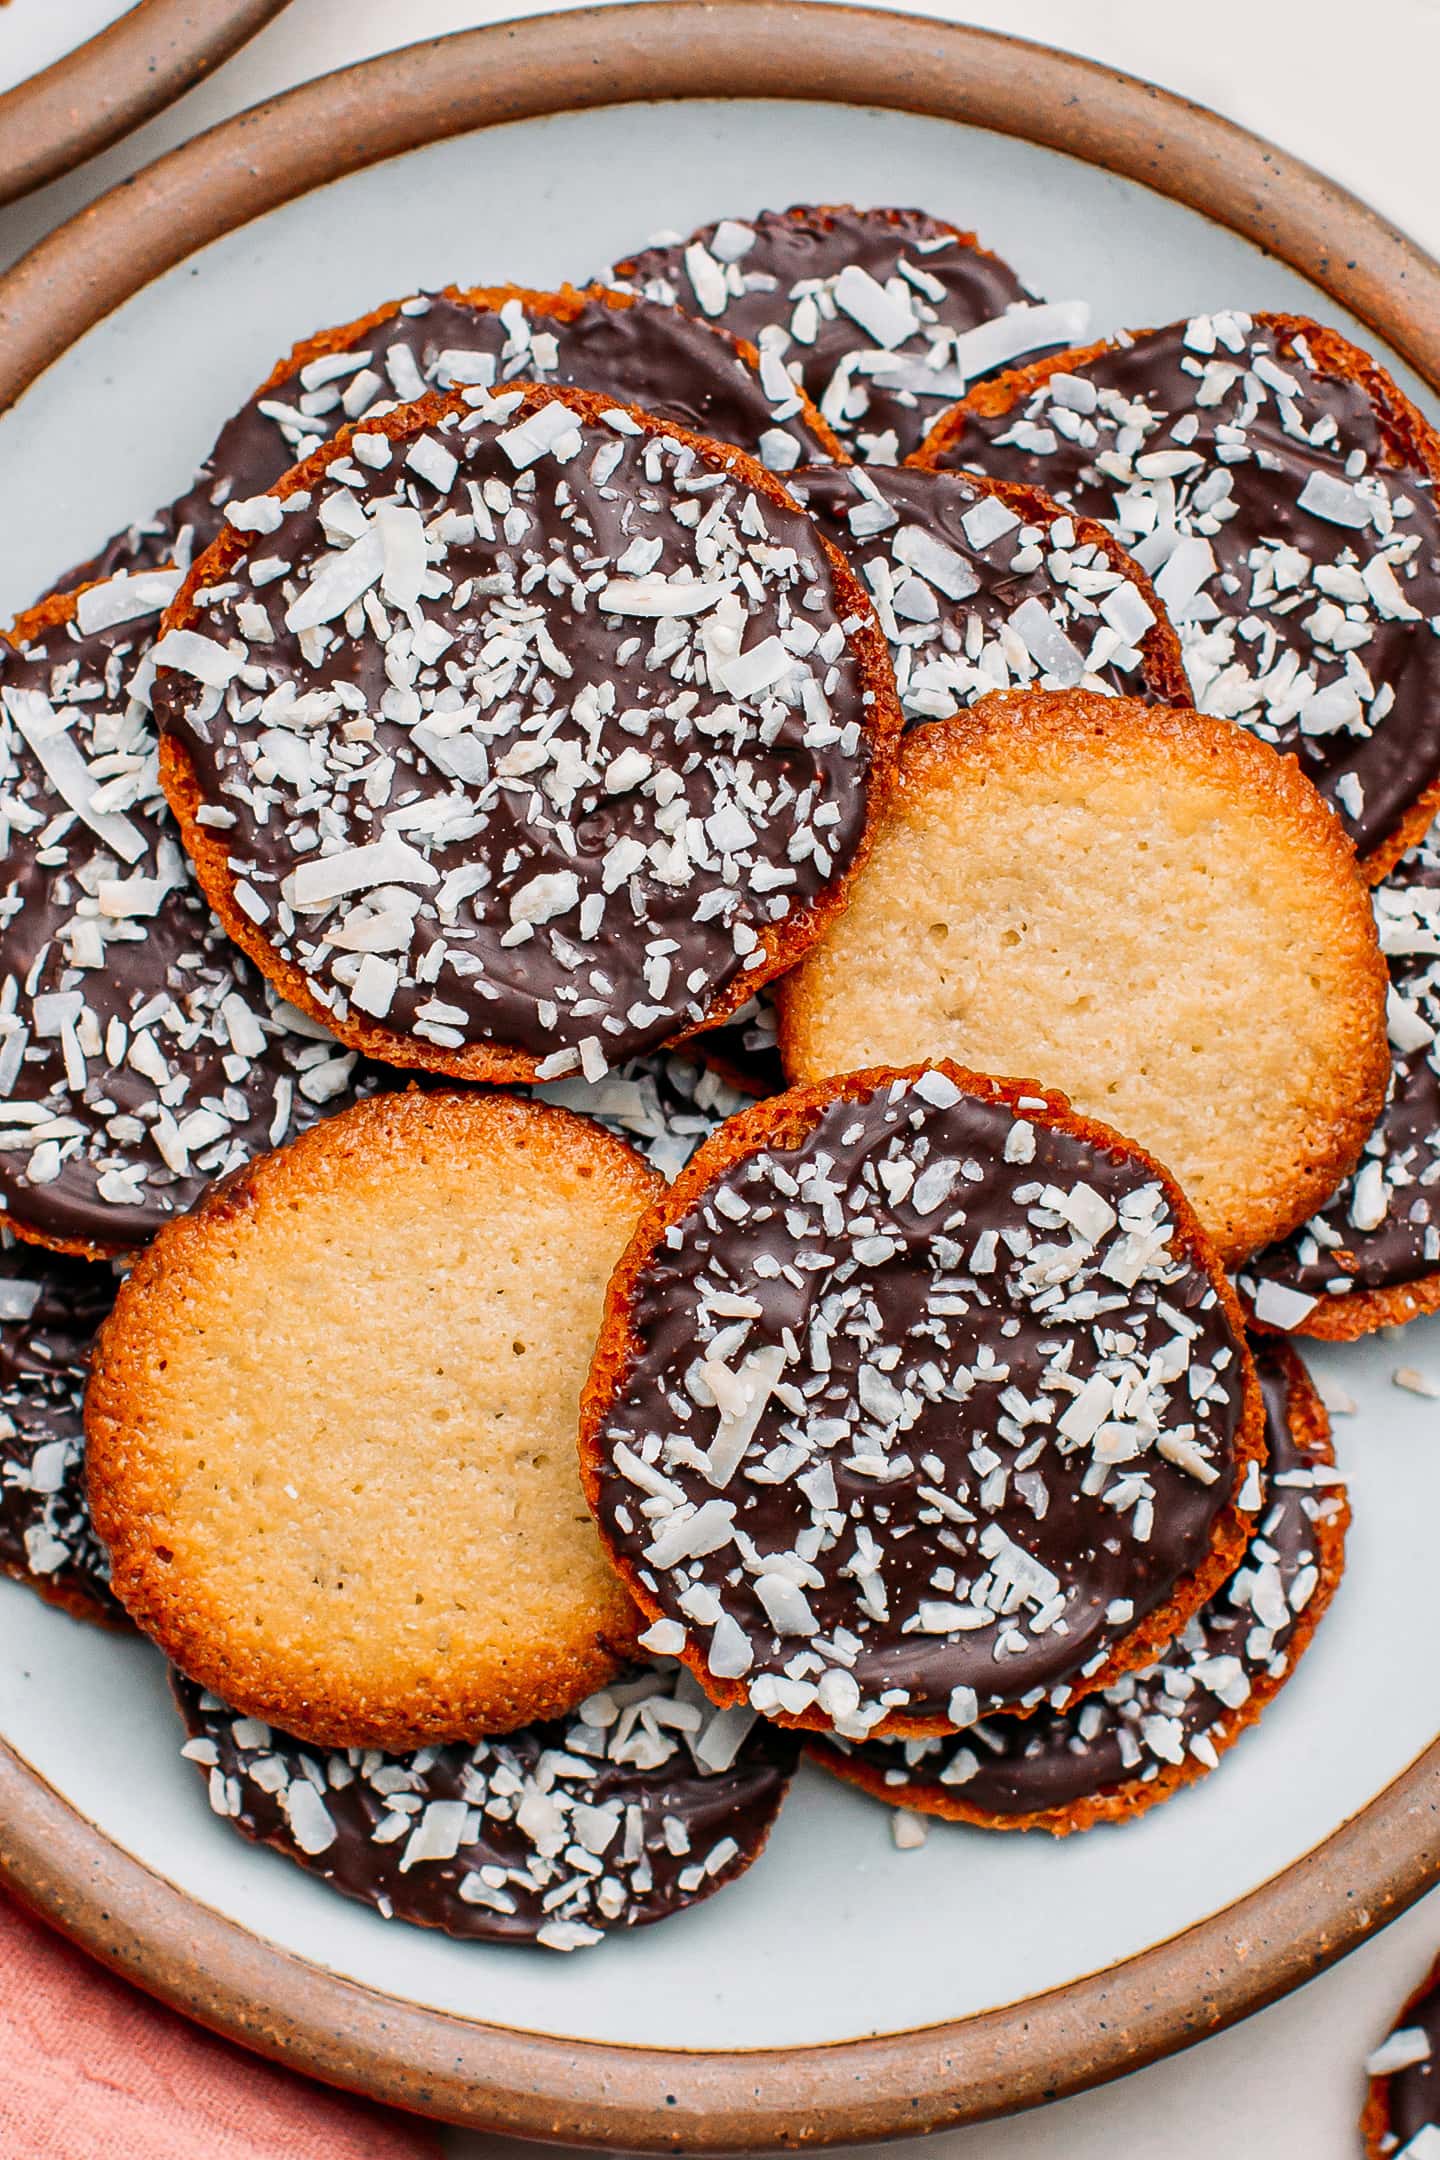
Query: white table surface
{"type": "Point", "coordinates": [1287, 2084]}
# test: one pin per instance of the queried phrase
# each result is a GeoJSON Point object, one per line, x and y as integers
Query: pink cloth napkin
{"type": "Point", "coordinates": [92, 2070]}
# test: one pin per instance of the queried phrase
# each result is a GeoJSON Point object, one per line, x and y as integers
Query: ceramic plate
{"type": "Point", "coordinates": [76, 75]}
{"type": "Point", "coordinates": [842, 1986]}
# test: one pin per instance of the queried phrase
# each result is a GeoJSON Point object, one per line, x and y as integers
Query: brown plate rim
{"type": "Point", "coordinates": [590, 2093]}
{"type": "Point", "coordinates": [86, 100]}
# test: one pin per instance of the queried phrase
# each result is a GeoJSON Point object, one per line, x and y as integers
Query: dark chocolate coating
{"type": "Point", "coordinates": [950, 646]}
{"type": "Point", "coordinates": [664, 1832]}
{"type": "Point", "coordinates": [50, 1308]}
{"type": "Point", "coordinates": [1382, 1227]}
{"type": "Point", "coordinates": [935, 1378]}
{"type": "Point", "coordinates": [1413, 2094]}
{"type": "Point", "coordinates": [812, 246]}
{"type": "Point", "coordinates": [217, 1045]}
{"type": "Point", "coordinates": [569, 761]}
{"type": "Point", "coordinates": [1125, 1736]}
{"type": "Point", "coordinates": [646, 355]}
{"type": "Point", "coordinates": [1237, 633]}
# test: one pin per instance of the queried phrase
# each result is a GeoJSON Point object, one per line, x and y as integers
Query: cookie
{"type": "Point", "coordinates": [517, 736]}
{"type": "Point", "coordinates": [643, 1801]}
{"type": "Point", "coordinates": [883, 315]}
{"type": "Point", "coordinates": [1401, 2120]}
{"type": "Point", "coordinates": [1279, 489]}
{"type": "Point", "coordinates": [979, 586]}
{"type": "Point", "coordinates": [141, 1056]}
{"type": "Point", "coordinates": [1370, 1257]}
{"type": "Point", "coordinates": [50, 1307]}
{"type": "Point", "coordinates": [624, 346]}
{"type": "Point", "coordinates": [331, 1425]}
{"type": "Point", "coordinates": [918, 1396]}
{"type": "Point", "coordinates": [1148, 906]}
{"type": "Point", "coordinates": [1117, 1754]}
{"type": "Point", "coordinates": [665, 1105]}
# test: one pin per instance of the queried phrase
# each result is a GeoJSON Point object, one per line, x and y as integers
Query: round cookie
{"type": "Point", "coordinates": [1117, 1754]}
{"type": "Point", "coordinates": [1402, 2109]}
{"type": "Point", "coordinates": [979, 586]}
{"type": "Point", "coordinates": [1146, 904]}
{"type": "Point", "coordinates": [917, 1397]}
{"type": "Point", "coordinates": [1279, 488]}
{"type": "Point", "coordinates": [50, 1307]}
{"type": "Point", "coordinates": [626, 347]}
{"type": "Point", "coordinates": [881, 314]}
{"type": "Point", "coordinates": [645, 1800]}
{"type": "Point", "coordinates": [521, 735]}
{"type": "Point", "coordinates": [331, 1424]}
{"type": "Point", "coordinates": [1370, 1257]}
{"type": "Point", "coordinates": [141, 1056]}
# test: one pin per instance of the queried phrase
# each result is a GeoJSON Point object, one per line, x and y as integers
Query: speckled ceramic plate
{"type": "Point", "coordinates": [76, 75]}
{"type": "Point", "coordinates": [842, 1990]}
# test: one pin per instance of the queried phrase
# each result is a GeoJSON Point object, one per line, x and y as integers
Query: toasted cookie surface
{"type": "Point", "coordinates": [1371, 1255]}
{"type": "Point", "coordinates": [981, 586]}
{"type": "Point", "coordinates": [918, 1396]}
{"type": "Point", "coordinates": [557, 733]}
{"type": "Point", "coordinates": [1143, 903]}
{"type": "Point", "coordinates": [881, 314]}
{"type": "Point", "coordinates": [1402, 2108]}
{"type": "Point", "coordinates": [331, 1425]}
{"type": "Point", "coordinates": [645, 1800]}
{"type": "Point", "coordinates": [1116, 1754]}
{"type": "Point", "coordinates": [1279, 488]}
{"type": "Point", "coordinates": [623, 345]}
{"type": "Point", "coordinates": [50, 1307]}
{"type": "Point", "coordinates": [141, 1055]}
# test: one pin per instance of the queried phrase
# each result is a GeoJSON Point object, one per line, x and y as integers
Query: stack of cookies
{"type": "Point", "coordinates": [692, 974]}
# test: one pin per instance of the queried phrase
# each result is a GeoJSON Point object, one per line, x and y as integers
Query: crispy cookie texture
{"type": "Point", "coordinates": [1279, 487]}
{"type": "Point", "coordinates": [683, 370]}
{"type": "Point", "coordinates": [509, 777]}
{"type": "Point", "coordinates": [985, 585]}
{"type": "Point", "coordinates": [1403, 2101]}
{"type": "Point", "coordinates": [1148, 905]}
{"type": "Point", "coordinates": [643, 1801]}
{"type": "Point", "coordinates": [331, 1425]}
{"type": "Point", "coordinates": [1370, 1257]}
{"type": "Point", "coordinates": [880, 313]}
{"type": "Point", "coordinates": [50, 1308]}
{"type": "Point", "coordinates": [141, 1056]}
{"type": "Point", "coordinates": [1117, 1754]}
{"type": "Point", "coordinates": [884, 1428]}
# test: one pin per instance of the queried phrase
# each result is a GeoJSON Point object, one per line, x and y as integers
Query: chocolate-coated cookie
{"type": "Point", "coordinates": [647, 1799]}
{"type": "Point", "coordinates": [916, 1397]}
{"type": "Point", "coordinates": [141, 1056]}
{"type": "Point", "coordinates": [515, 736]}
{"type": "Point", "coordinates": [981, 586]}
{"type": "Point", "coordinates": [1118, 1753]}
{"type": "Point", "coordinates": [1279, 489]}
{"type": "Point", "coordinates": [50, 1307]}
{"type": "Point", "coordinates": [881, 314]}
{"type": "Point", "coordinates": [1401, 2120]}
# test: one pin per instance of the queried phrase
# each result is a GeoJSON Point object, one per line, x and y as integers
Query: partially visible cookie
{"type": "Point", "coordinates": [1116, 1754]}
{"type": "Point", "coordinates": [643, 1801]}
{"type": "Point", "coordinates": [1143, 903]}
{"type": "Point", "coordinates": [1370, 1257]}
{"type": "Point", "coordinates": [1279, 488]}
{"type": "Point", "coordinates": [918, 1396]}
{"type": "Point", "coordinates": [882, 314]}
{"type": "Point", "coordinates": [141, 1055]}
{"type": "Point", "coordinates": [50, 1307]}
{"type": "Point", "coordinates": [627, 347]}
{"type": "Point", "coordinates": [666, 1105]}
{"type": "Point", "coordinates": [1401, 2120]}
{"type": "Point", "coordinates": [516, 736]}
{"type": "Point", "coordinates": [331, 1424]}
{"type": "Point", "coordinates": [982, 586]}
